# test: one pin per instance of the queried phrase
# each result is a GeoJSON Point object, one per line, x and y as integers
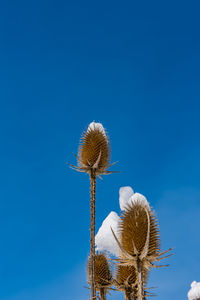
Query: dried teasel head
{"type": "Point", "coordinates": [139, 247]}
{"type": "Point", "coordinates": [103, 274]}
{"type": "Point", "coordinates": [94, 151]}
{"type": "Point", "coordinates": [140, 237]}
{"type": "Point", "coordinates": [126, 276]}
{"type": "Point", "coordinates": [139, 230]}
{"type": "Point", "coordinates": [126, 280]}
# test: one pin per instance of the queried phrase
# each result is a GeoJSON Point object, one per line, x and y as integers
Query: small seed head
{"type": "Point", "coordinates": [126, 278]}
{"type": "Point", "coordinates": [94, 150]}
{"type": "Point", "coordinates": [103, 275]}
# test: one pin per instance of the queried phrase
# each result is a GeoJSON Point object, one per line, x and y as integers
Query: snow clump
{"type": "Point", "coordinates": [194, 292]}
{"type": "Point", "coordinates": [93, 126]}
{"type": "Point", "coordinates": [127, 196]}
{"type": "Point", "coordinates": [104, 238]}
{"type": "Point", "coordinates": [125, 193]}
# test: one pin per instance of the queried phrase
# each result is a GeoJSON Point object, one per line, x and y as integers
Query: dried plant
{"type": "Point", "coordinates": [93, 158]}
{"type": "Point", "coordinates": [140, 242]}
{"type": "Point", "coordinates": [103, 275]}
{"type": "Point", "coordinates": [126, 281]}
{"type": "Point", "coordinates": [139, 238]}
{"type": "Point", "coordinates": [94, 151]}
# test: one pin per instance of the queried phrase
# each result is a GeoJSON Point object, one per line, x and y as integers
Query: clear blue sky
{"type": "Point", "coordinates": [133, 66]}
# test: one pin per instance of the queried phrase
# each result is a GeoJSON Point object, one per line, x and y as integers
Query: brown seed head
{"type": "Point", "coordinates": [139, 230]}
{"type": "Point", "coordinates": [139, 246]}
{"type": "Point", "coordinates": [103, 275]}
{"type": "Point", "coordinates": [94, 150]}
{"type": "Point", "coordinates": [126, 278]}
{"type": "Point", "coordinates": [126, 275]}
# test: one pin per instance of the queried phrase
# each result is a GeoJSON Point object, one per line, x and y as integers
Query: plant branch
{"type": "Point", "coordinates": [140, 289]}
{"type": "Point", "coordinates": [92, 231]}
{"type": "Point", "coordinates": [102, 294]}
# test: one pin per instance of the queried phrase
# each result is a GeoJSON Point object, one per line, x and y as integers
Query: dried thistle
{"type": "Point", "coordinates": [140, 235]}
{"type": "Point", "coordinates": [126, 281]}
{"type": "Point", "coordinates": [103, 275]}
{"type": "Point", "coordinates": [140, 241]}
{"type": "Point", "coordinates": [94, 151]}
{"type": "Point", "coordinates": [93, 158]}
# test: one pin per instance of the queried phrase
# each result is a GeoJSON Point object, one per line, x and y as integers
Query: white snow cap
{"type": "Point", "coordinates": [125, 193]}
{"type": "Point", "coordinates": [139, 198]}
{"type": "Point", "coordinates": [127, 196]}
{"type": "Point", "coordinates": [104, 238]}
{"type": "Point", "coordinates": [194, 292]}
{"type": "Point", "coordinates": [94, 125]}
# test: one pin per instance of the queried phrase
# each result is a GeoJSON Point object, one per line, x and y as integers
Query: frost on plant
{"type": "Point", "coordinates": [194, 292]}
{"type": "Point", "coordinates": [133, 238]}
{"type": "Point", "coordinates": [127, 196]}
{"type": "Point", "coordinates": [93, 126]}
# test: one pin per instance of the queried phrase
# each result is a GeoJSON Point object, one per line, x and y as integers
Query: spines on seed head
{"type": "Point", "coordinates": [103, 274]}
{"type": "Point", "coordinates": [94, 150]}
{"type": "Point", "coordinates": [139, 230]}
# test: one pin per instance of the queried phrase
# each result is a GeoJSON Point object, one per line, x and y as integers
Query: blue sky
{"type": "Point", "coordinates": [131, 65]}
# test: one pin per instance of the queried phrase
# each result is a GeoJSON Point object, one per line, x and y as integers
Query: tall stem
{"type": "Point", "coordinates": [102, 294]}
{"type": "Point", "coordinates": [92, 231]}
{"type": "Point", "coordinates": [133, 295]}
{"type": "Point", "coordinates": [140, 281]}
{"type": "Point", "coordinates": [129, 295]}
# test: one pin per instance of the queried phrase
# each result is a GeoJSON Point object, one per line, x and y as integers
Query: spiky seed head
{"type": "Point", "coordinates": [103, 275]}
{"type": "Point", "coordinates": [136, 220]}
{"type": "Point", "coordinates": [94, 150]}
{"type": "Point", "coordinates": [126, 279]}
{"type": "Point", "coordinates": [126, 275]}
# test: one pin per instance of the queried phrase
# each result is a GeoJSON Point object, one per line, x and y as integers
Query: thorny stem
{"type": "Point", "coordinates": [133, 296]}
{"type": "Point", "coordinates": [129, 295]}
{"type": "Point", "coordinates": [140, 289]}
{"type": "Point", "coordinates": [92, 231]}
{"type": "Point", "coordinates": [102, 294]}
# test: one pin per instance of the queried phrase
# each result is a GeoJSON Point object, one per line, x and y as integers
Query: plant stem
{"type": "Point", "coordinates": [92, 231]}
{"type": "Point", "coordinates": [133, 296]}
{"type": "Point", "coordinates": [102, 294]}
{"type": "Point", "coordinates": [140, 290]}
{"type": "Point", "coordinates": [128, 295]}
